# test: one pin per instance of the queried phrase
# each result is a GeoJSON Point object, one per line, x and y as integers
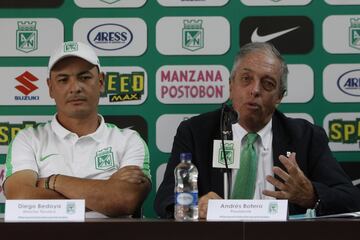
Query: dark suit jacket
{"type": "Point", "coordinates": [333, 187]}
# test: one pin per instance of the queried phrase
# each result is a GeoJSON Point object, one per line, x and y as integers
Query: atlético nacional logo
{"type": "Point", "coordinates": [354, 33]}
{"type": "Point", "coordinates": [70, 208]}
{"type": "Point", "coordinates": [104, 159]}
{"type": "Point", "coordinates": [193, 35]}
{"type": "Point", "coordinates": [71, 46]}
{"type": "Point", "coordinates": [273, 208]}
{"type": "Point", "coordinates": [26, 36]}
{"type": "Point", "coordinates": [110, 1]}
{"type": "Point", "coordinates": [229, 152]}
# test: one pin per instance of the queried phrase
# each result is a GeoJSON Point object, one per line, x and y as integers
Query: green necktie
{"type": "Point", "coordinates": [244, 187]}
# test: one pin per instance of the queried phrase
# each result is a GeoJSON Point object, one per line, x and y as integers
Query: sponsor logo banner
{"type": "Point", "coordinates": [193, 35]}
{"type": "Point", "coordinates": [193, 3]}
{"type": "Point", "coordinates": [30, 4]}
{"type": "Point", "coordinates": [343, 130]}
{"type": "Point", "coordinates": [186, 84]}
{"type": "Point", "coordinates": [341, 34]}
{"type": "Point", "coordinates": [11, 125]}
{"type": "Point", "coordinates": [27, 37]}
{"type": "Point", "coordinates": [275, 2]}
{"type": "Point", "coordinates": [300, 85]}
{"type": "Point", "coordinates": [343, 2]}
{"type": "Point", "coordinates": [27, 86]}
{"type": "Point", "coordinates": [110, 3]}
{"type": "Point", "coordinates": [166, 126]}
{"type": "Point", "coordinates": [289, 34]}
{"type": "Point", "coordinates": [24, 86]}
{"type": "Point", "coordinates": [113, 36]}
{"type": "Point", "coordinates": [341, 82]}
{"type": "Point", "coordinates": [124, 86]}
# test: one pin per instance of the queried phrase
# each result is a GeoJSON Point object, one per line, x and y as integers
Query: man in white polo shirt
{"type": "Point", "coordinates": [77, 155]}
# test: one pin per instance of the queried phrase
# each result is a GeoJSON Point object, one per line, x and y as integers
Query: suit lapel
{"type": "Point", "coordinates": [281, 141]}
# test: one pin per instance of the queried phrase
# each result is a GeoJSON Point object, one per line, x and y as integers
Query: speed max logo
{"type": "Point", "coordinates": [121, 87]}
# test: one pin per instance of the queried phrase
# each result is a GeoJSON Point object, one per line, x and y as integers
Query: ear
{"type": "Point", "coordinates": [278, 101]}
{"type": "Point", "coordinates": [48, 81]}
{"type": "Point", "coordinates": [230, 88]}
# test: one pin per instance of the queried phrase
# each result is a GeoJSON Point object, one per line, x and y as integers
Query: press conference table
{"type": "Point", "coordinates": [143, 229]}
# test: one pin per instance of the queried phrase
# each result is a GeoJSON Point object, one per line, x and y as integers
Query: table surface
{"type": "Point", "coordinates": [134, 229]}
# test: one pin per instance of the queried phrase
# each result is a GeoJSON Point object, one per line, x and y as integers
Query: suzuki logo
{"type": "Point", "coordinates": [25, 79]}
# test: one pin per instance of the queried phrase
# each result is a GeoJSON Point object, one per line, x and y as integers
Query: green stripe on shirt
{"type": "Point", "coordinates": [146, 165]}
{"type": "Point", "coordinates": [8, 165]}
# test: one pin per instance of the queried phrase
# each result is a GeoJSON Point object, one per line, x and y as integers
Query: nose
{"type": "Point", "coordinates": [75, 86]}
{"type": "Point", "coordinates": [255, 87]}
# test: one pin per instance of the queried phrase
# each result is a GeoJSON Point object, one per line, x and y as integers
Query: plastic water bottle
{"type": "Point", "coordinates": [186, 190]}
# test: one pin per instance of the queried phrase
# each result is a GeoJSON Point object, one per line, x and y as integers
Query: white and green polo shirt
{"type": "Point", "coordinates": [51, 149]}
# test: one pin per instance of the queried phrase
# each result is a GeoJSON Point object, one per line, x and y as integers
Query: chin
{"type": "Point", "coordinates": [80, 113]}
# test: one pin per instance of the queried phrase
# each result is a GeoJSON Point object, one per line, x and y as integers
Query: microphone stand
{"type": "Point", "coordinates": [226, 134]}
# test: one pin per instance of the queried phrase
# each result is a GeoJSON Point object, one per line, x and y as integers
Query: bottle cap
{"type": "Point", "coordinates": [185, 156]}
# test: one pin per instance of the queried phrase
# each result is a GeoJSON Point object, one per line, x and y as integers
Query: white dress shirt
{"type": "Point", "coordinates": [263, 146]}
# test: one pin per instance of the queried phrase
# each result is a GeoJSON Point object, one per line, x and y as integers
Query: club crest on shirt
{"type": "Point", "coordinates": [104, 159]}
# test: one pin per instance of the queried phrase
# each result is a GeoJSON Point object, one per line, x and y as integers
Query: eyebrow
{"type": "Point", "coordinates": [84, 72]}
{"type": "Point", "coordinates": [78, 74]}
{"type": "Point", "coordinates": [247, 69]}
{"type": "Point", "coordinates": [266, 76]}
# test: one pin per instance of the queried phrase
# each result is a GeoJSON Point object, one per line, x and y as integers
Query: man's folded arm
{"type": "Point", "coordinates": [121, 194]}
{"type": "Point", "coordinates": [24, 184]}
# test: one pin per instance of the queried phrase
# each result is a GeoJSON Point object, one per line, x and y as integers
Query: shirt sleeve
{"type": "Point", "coordinates": [136, 153]}
{"type": "Point", "coordinates": [20, 154]}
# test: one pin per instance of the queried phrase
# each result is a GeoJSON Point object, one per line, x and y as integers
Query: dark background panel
{"type": "Point", "coordinates": [30, 3]}
{"type": "Point", "coordinates": [297, 41]}
{"type": "Point", "coordinates": [136, 123]}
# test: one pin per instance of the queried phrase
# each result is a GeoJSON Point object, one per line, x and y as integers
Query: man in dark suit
{"type": "Point", "coordinates": [295, 161]}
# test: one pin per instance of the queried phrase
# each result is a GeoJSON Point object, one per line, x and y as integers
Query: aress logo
{"type": "Point", "coordinates": [289, 34]}
{"type": "Point", "coordinates": [110, 36]}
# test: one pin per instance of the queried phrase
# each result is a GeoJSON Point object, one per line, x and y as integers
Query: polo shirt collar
{"type": "Point", "coordinates": [63, 132]}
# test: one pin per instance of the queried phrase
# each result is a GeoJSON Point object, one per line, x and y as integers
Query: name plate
{"type": "Point", "coordinates": [247, 210]}
{"type": "Point", "coordinates": [68, 210]}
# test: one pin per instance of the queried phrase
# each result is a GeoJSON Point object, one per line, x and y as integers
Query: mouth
{"type": "Point", "coordinates": [76, 100]}
{"type": "Point", "coordinates": [253, 105]}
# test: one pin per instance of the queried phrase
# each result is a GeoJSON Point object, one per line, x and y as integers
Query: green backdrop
{"type": "Point", "coordinates": [234, 11]}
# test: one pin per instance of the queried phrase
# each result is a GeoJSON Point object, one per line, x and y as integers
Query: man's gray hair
{"type": "Point", "coordinates": [268, 48]}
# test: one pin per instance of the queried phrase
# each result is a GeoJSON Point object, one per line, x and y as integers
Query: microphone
{"type": "Point", "coordinates": [228, 117]}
